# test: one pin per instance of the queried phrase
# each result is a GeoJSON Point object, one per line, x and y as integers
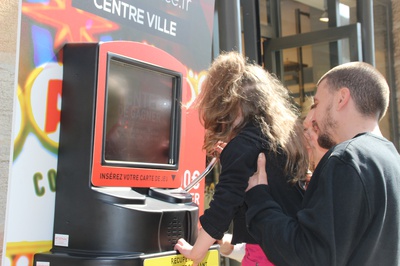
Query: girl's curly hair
{"type": "Point", "coordinates": [235, 87]}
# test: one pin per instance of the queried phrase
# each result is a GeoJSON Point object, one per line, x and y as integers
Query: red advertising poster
{"type": "Point", "coordinates": [181, 29]}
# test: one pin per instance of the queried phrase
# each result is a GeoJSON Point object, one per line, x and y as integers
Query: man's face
{"type": "Point", "coordinates": [323, 122]}
{"type": "Point", "coordinates": [310, 132]}
{"type": "Point", "coordinates": [315, 152]}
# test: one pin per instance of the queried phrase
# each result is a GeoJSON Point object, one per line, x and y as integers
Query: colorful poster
{"type": "Point", "coordinates": [182, 28]}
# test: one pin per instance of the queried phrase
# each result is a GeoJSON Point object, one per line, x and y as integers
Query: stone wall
{"type": "Point", "coordinates": [8, 44]}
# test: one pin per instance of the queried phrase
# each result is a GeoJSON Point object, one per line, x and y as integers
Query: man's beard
{"type": "Point", "coordinates": [325, 139]}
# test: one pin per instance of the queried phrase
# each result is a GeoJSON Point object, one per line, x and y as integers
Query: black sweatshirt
{"type": "Point", "coordinates": [238, 163]}
{"type": "Point", "coordinates": [350, 213]}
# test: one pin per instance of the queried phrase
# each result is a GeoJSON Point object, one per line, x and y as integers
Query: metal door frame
{"type": "Point", "coordinates": [273, 47]}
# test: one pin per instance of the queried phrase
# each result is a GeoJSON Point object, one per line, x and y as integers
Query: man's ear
{"type": "Point", "coordinates": [343, 97]}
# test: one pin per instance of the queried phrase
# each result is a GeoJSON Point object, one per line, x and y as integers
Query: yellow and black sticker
{"type": "Point", "coordinates": [212, 259]}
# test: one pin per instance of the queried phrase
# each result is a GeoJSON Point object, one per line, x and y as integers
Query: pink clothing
{"type": "Point", "coordinates": [255, 256]}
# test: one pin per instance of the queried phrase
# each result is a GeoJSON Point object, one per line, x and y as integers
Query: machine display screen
{"type": "Point", "coordinates": [142, 114]}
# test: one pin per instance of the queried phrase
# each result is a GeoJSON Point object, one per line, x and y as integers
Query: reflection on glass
{"type": "Point", "coordinates": [138, 120]}
{"type": "Point", "coordinates": [315, 60]}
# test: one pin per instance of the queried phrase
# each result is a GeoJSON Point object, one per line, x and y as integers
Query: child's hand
{"type": "Point", "coordinates": [187, 251]}
{"type": "Point", "coordinates": [225, 246]}
{"type": "Point", "coordinates": [200, 249]}
{"type": "Point", "coordinates": [184, 248]}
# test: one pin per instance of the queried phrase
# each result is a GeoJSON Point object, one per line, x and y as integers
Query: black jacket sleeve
{"type": "Point", "coordinates": [238, 161]}
{"type": "Point", "coordinates": [325, 230]}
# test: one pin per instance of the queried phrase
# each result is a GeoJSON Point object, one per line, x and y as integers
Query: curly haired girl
{"type": "Point", "coordinates": [250, 110]}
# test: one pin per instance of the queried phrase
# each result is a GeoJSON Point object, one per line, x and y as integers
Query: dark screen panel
{"type": "Point", "coordinates": [140, 119]}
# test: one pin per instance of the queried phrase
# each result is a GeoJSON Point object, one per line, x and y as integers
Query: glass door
{"type": "Point", "coordinates": [300, 60]}
{"type": "Point", "coordinates": [303, 44]}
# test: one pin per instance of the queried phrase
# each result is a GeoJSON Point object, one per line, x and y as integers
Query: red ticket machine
{"type": "Point", "coordinates": [126, 139]}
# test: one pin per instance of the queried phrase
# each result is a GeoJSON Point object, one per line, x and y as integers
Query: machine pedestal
{"type": "Point", "coordinates": [155, 259]}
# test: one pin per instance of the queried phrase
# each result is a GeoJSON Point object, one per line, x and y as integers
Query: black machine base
{"type": "Point", "coordinates": [75, 259]}
{"type": "Point", "coordinates": [66, 259]}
